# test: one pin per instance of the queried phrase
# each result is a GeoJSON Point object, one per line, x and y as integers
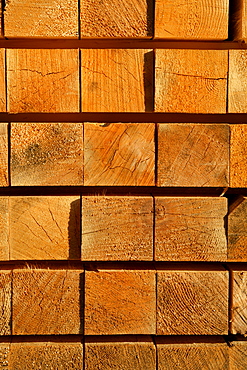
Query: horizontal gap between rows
{"type": "Point", "coordinates": [117, 43]}
{"type": "Point", "coordinates": [147, 117]}
{"type": "Point", "coordinates": [95, 266]}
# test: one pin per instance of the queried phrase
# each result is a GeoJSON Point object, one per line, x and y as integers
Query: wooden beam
{"type": "Point", "coordinates": [238, 156]}
{"type": "Point", "coordinates": [192, 303]}
{"type": "Point", "coordinates": [4, 227]}
{"type": "Point", "coordinates": [41, 18]}
{"type": "Point", "coordinates": [190, 20]}
{"type": "Point", "coordinates": [198, 75]}
{"type": "Point", "coordinates": [190, 229]}
{"type": "Point", "coordinates": [2, 81]}
{"type": "Point", "coordinates": [45, 154]}
{"type": "Point", "coordinates": [128, 297]}
{"type": "Point", "coordinates": [5, 302]}
{"type": "Point", "coordinates": [117, 228]}
{"type": "Point", "coordinates": [193, 155]}
{"type": "Point", "coordinates": [50, 355]}
{"type": "Point", "coordinates": [44, 228]}
{"type": "Point", "coordinates": [116, 80]}
{"type": "Point", "coordinates": [44, 80]}
{"type": "Point", "coordinates": [119, 154]}
{"type": "Point", "coordinates": [139, 355]}
{"type": "Point", "coordinates": [118, 18]}
{"type": "Point", "coordinates": [52, 300]}
{"type": "Point", "coordinates": [238, 355]}
{"type": "Point", "coordinates": [237, 233]}
{"type": "Point", "coordinates": [239, 296]}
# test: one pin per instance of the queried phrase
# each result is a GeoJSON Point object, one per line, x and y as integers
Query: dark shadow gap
{"type": "Point", "coordinates": [148, 73]}
{"type": "Point", "coordinates": [150, 17]}
{"type": "Point", "coordinates": [235, 20]}
{"type": "Point", "coordinates": [74, 230]}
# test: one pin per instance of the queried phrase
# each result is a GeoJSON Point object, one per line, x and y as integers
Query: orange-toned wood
{"type": "Point", "coordinates": [44, 228]}
{"type": "Point", "coordinates": [4, 227]}
{"type": "Point", "coordinates": [117, 228]}
{"type": "Point", "coordinates": [46, 154]}
{"type": "Point", "coordinates": [139, 355]}
{"type": "Point", "coordinates": [239, 296]}
{"type": "Point", "coordinates": [46, 302]}
{"type": "Point", "coordinates": [192, 303]}
{"type": "Point", "coordinates": [193, 155]}
{"type": "Point", "coordinates": [190, 229]}
{"type": "Point", "coordinates": [119, 302]}
{"type": "Point", "coordinates": [119, 154]}
{"type": "Point", "coordinates": [191, 356]}
{"type": "Point", "coordinates": [41, 18]}
{"type": "Point", "coordinates": [244, 20]}
{"type": "Point", "coordinates": [238, 355]}
{"type": "Point", "coordinates": [2, 81]}
{"type": "Point", "coordinates": [4, 180]}
{"type": "Point", "coordinates": [179, 19]}
{"type": "Point", "coordinates": [116, 80]}
{"type": "Point", "coordinates": [118, 18]}
{"type": "Point", "coordinates": [5, 303]}
{"type": "Point", "coordinates": [237, 81]}
{"type": "Point", "coordinates": [236, 229]}
{"type": "Point", "coordinates": [191, 81]}
{"type": "Point", "coordinates": [238, 156]}
{"type": "Point", "coordinates": [46, 355]}
{"type": "Point", "coordinates": [43, 80]}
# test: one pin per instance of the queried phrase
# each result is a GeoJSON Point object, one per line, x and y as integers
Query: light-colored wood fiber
{"type": "Point", "coordinates": [4, 227]}
{"type": "Point", "coordinates": [44, 228]}
{"type": "Point", "coordinates": [4, 180]}
{"type": "Point", "coordinates": [237, 233]}
{"type": "Point", "coordinates": [190, 229]}
{"type": "Point", "coordinates": [191, 81]}
{"type": "Point", "coordinates": [41, 18]}
{"type": "Point", "coordinates": [239, 305]}
{"type": "Point", "coordinates": [192, 20]}
{"type": "Point", "coordinates": [119, 154]}
{"type": "Point", "coordinates": [2, 81]}
{"type": "Point", "coordinates": [117, 228]}
{"type": "Point", "coordinates": [116, 80]}
{"type": "Point", "coordinates": [5, 303]}
{"type": "Point", "coordinates": [238, 355]}
{"type": "Point", "coordinates": [46, 302]}
{"type": "Point", "coordinates": [122, 355]}
{"type": "Point", "coordinates": [238, 156]}
{"type": "Point", "coordinates": [192, 303]}
{"type": "Point", "coordinates": [116, 18]}
{"type": "Point", "coordinates": [120, 302]}
{"type": "Point", "coordinates": [237, 81]}
{"type": "Point", "coordinates": [46, 154]}
{"type": "Point", "coordinates": [43, 80]}
{"type": "Point", "coordinates": [193, 155]}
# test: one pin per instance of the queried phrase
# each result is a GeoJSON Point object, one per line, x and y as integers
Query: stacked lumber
{"type": "Point", "coordinates": [123, 184]}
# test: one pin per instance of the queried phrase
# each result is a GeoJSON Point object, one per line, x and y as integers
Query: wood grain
{"type": "Point", "coordinates": [4, 355]}
{"type": "Point", "coordinates": [116, 80]}
{"type": "Point", "coordinates": [43, 80]}
{"type": "Point", "coordinates": [41, 18]}
{"type": "Point", "coordinates": [117, 228]}
{"type": "Point", "coordinates": [193, 155]}
{"type": "Point", "coordinates": [45, 154]}
{"type": "Point", "coordinates": [244, 20]}
{"type": "Point", "coordinates": [46, 302]}
{"type": "Point", "coordinates": [237, 233]}
{"type": "Point", "coordinates": [190, 229]}
{"type": "Point", "coordinates": [119, 154]}
{"type": "Point", "coordinates": [2, 81]}
{"type": "Point", "coordinates": [44, 228]}
{"type": "Point", "coordinates": [239, 299]}
{"type": "Point", "coordinates": [198, 75]}
{"type": "Point", "coordinates": [4, 227]}
{"type": "Point", "coordinates": [192, 20]}
{"type": "Point", "coordinates": [118, 18]}
{"type": "Point", "coordinates": [192, 303]}
{"type": "Point", "coordinates": [4, 150]}
{"type": "Point", "coordinates": [238, 156]}
{"type": "Point", "coordinates": [191, 356]}
{"type": "Point", "coordinates": [119, 302]}
{"type": "Point", "coordinates": [47, 355]}
{"type": "Point", "coordinates": [5, 303]}
{"type": "Point", "coordinates": [237, 81]}
{"type": "Point", "coordinates": [120, 355]}
{"type": "Point", "coordinates": [238, 355]}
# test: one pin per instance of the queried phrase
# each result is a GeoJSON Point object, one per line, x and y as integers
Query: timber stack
{"type": "Point", "coordinates": [123, 184]}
